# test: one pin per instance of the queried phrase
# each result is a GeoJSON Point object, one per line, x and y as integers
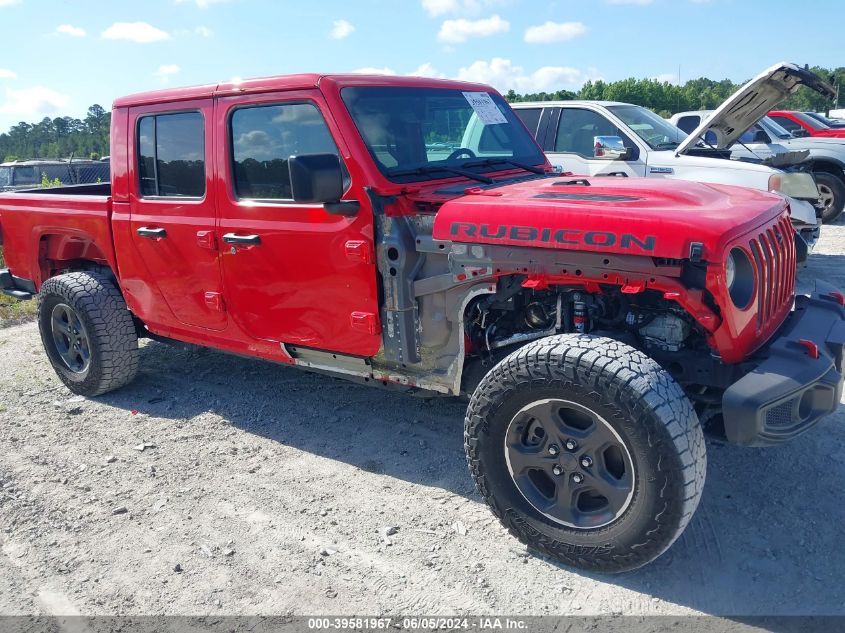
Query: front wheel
{"type": "Point", "coordinates": [88, 332]}
{"type": "Point", "coordinates": [831, 195]}
{"type": "Point", "coordinates": [587, 451]}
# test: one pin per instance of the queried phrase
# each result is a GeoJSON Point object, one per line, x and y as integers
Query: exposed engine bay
{"type": "Point", "coordinates": [516, 315]}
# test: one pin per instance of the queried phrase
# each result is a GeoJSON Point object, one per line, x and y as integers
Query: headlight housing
{"type": "Point", "coordinates": [730, 270]}
{"type": "Point", "coordinates": [739, 277]}
{"type": "Point", "coordinates": [797, 184]}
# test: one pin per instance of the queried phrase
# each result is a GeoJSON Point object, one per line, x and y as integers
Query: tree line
{"type": "Point", "coordinates": [59, 137]}
{"type": "Point", "coordinates": [697, 94]}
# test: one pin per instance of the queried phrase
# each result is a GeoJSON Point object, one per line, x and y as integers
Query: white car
{"type": "Point", "coordinates": [767, 142]}
{"type": "Point", "coordinates": [621, 139]}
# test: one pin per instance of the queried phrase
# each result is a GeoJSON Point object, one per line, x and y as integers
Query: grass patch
{"type": "Point", "coordinates": [12, 311]}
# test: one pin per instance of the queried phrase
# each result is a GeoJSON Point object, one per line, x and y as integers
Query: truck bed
{"type": "Point", "coordinates": [89, 189]}
{"type": "Point", "coordinates": [44, 230]}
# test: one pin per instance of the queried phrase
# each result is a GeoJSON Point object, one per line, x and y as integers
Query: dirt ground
{"type": "Point", "coordinates": [220, 485]}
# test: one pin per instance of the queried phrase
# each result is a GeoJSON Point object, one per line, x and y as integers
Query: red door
{"type": "Point", "coordinates": [292, 272]}
{"type": "Point", "coordinates": [173, 212]}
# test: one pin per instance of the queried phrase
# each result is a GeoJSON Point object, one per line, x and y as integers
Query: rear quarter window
{"type": "Point", "coordinates": [25, 176]}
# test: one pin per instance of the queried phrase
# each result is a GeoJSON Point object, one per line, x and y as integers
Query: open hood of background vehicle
{"type": "Point", "coordinates": [751, 102]}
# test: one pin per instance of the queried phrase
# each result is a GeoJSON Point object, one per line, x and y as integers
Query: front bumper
{"type": "Point", "coordinates": [800, 381]}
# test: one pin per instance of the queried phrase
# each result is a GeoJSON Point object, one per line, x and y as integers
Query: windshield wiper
{"type": "Point", "coordinates": [667, 145]}
{"type": "Point", "coordinates": [506, 161]}
{"type": "Point", "coordinates": [431, 169]}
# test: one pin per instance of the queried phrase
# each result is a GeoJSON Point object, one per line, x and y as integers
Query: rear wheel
{"type": "Point", "coordinates": [587, 451]}
{"type": "Point", "coordinates": [831, 195]}
{"type": "Point", "coordinates": [88, 332]}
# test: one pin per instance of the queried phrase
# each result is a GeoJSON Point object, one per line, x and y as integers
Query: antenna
{"type": "Point", "coordinates": [678, 107]}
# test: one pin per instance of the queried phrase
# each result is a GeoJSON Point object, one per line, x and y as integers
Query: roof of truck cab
{"type": "Point", "coordinates": [287, 82]}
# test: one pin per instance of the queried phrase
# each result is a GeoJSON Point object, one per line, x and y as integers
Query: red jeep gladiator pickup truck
{"type": "Point", "coordinates": [410, 233]}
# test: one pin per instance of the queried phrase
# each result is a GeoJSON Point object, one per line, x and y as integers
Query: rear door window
{"type": "Point", "coordinates": [171, 155]}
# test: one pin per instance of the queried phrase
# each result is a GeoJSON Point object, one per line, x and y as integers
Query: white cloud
{"type": "Point", "coordinates": [554, 32]}
{"type": "Point", "coordinates": [427, 70]}
{"type": "Point", "coordinates": [140, 32]}
{"type": "Point", "coordinates": [9, 3]}
{"type": "Point", "coordinates": [436, 8]}
{"type": "Point", "coordinates": [5, 73]}
{"type": "Point", "coordinates": [670, 78]}
{"type": "Point", "coordinates": [341, 29]}
{"type": "Point", "coordinates": [165, 71]}
{"type": "Point", "coordinates": [202, 4]}
{"type": "Point", "coordinates": [503, 75]}
{"type": "Point", "coordinates": [641, 3]}
{"type": "Point", "coordinates": [69, 29]}
{"type": "Point", "coordinates": [370, 70]}
{"type": "Point", "coordinates": [203, 31]}
{"type": "Point", "coordinates": [33, 102]}
{"type": "Point", "coordinates": [460, 30]}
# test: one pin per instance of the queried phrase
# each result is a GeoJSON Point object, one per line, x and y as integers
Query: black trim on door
{"type": "Point", "coordinates": [547, 130]}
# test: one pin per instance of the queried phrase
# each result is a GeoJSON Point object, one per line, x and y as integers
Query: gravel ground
{"type": "Point", "coordinates": [220, 485]}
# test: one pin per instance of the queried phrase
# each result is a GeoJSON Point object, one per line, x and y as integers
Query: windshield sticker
{"type": "Point", "coordinates": [485, 108]}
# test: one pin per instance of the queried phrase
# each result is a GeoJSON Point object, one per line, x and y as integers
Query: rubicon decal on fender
{"type": "Point", "coordinates": [508, 233]}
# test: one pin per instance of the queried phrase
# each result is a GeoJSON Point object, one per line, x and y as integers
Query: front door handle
{"type": "Point", "coordinates": [234, 238]}
{"type": "Point", "coordinates": [154, 234]}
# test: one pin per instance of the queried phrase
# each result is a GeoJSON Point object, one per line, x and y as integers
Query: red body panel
{"type": "Point", "coordinates": [812, 130]}
{"type": "Point", "coordinates": [76, 227]}
{"type": "Point", "coordinates": [633, 216]}
{"type": "Point", "coordinates": [312, 281]}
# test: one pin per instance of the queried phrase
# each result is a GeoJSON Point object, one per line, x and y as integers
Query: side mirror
{"type": "Point", "coordinates": [318, 178]}
{"type": "Point", "coordinates": [610, 148]}
{"type": "Point", "coordinates": [315, 178]}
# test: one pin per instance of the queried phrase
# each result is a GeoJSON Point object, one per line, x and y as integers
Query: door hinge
{"type": "Point", "coordinates": [207, 240]}
{"type": "Point", "coordinates": [214, 300]}
{"type": "Point", "coordinates": [365, 322]}
{"type": "Point", "coordinates": [360, 251]}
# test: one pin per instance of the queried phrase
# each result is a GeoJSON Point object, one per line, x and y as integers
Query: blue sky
{"type": "Point", "coordinates": [59, 57]}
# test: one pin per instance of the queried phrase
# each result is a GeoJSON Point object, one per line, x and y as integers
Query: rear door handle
{"type": "Point", "coordinates": [234, 238]}
{"type": "Point", "coordinates": [155, 234]}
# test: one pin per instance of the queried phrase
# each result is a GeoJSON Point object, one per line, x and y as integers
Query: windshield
{"type": "Point", "coordinates": [425, 133]}
{"type": "Point", "coordinates": [774, 128]}
{"type": "Point", "coordinates": [810, 121]}
{"type": "Point", "coordinates": [5, 176]}
{"type": "Point", "coordinates": [653, 129]}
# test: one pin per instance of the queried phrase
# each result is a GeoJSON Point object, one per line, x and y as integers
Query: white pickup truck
{"type": "Point", "coordinates": [621, 139]}
{"type": "Point", "coordinates": [767, 142]}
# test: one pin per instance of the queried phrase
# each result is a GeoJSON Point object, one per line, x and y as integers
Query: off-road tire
{"type": "Point", "coordinates": [831, 184]}
{"type": "Point", "coordinates": [111, 334]}
{"type": "Point", "coordinates": [647, 409]}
